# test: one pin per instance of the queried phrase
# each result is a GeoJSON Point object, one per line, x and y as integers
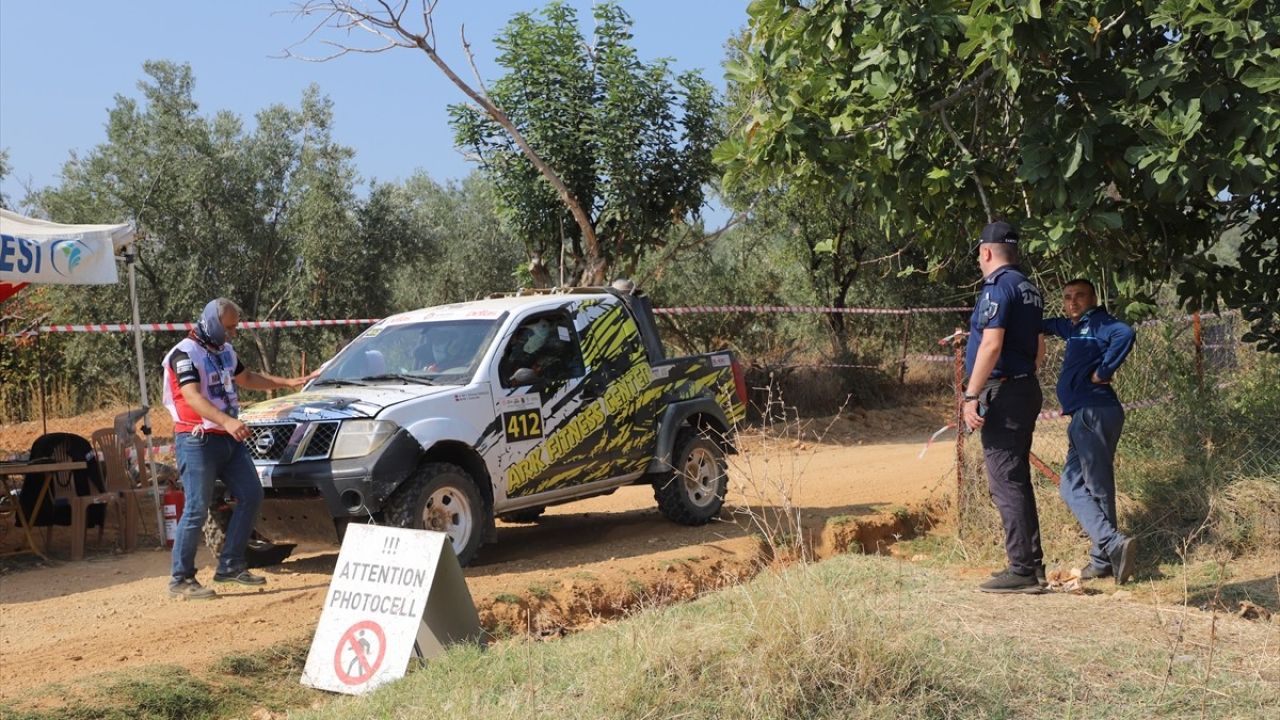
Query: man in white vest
{"type": "Point", "coordinates": [201, 374]}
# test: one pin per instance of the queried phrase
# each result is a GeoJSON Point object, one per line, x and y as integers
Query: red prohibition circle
{"type": "Point", "coordinates": [366, 667]}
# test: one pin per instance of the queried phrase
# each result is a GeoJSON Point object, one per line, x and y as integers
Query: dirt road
{"type": "Point", "coordinates": [578, 564]}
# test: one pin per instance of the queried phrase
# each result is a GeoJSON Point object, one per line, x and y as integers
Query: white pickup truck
{"type": "Point", "coordinates": [447, 417]}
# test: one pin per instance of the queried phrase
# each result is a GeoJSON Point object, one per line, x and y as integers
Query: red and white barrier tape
{"type": "Point", "coordinates": [802, 309]}
{"type": "Point", "coordinates": [183, 327]}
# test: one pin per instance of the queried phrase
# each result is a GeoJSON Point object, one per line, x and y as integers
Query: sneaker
{"type": "Point", "coordinates": [189, 589]}
{"type": "Point", "coordinates": [1040, 575]}
{"type": "Point", "coordinates": [1093, 572]}
{"type": "Point", "coordinates": [1124, 559]}
{"type": "Point", "coordinates": [244, 577]}
{"type": "Point", "coordinates": [1011, 582]}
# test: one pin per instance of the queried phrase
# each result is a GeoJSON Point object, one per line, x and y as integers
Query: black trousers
{"type": "Point", "coordinates": [1011, 410]}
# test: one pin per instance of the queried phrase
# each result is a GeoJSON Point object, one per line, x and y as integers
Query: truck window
{"type": "Point", "coordinates": [545, 344]}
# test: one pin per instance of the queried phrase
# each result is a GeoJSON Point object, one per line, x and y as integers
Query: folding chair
{"type": "Point", "coordinates": [111, 449]}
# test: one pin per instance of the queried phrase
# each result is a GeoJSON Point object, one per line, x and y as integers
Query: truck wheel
{"type": "Point", "coordinates": [693, 492]}
{"type": "Point", "coordinates": [526, 515]}
{"type": "Point", "coordinates": [441, 497]}
{"type": "Point", "coordinates": [259, 553]}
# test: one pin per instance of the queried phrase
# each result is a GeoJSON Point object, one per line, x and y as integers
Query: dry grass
{"type": "Point", "coordinates": [860, 637]}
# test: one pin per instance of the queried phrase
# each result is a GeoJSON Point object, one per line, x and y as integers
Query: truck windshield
{"type": "Point", "coordinates": [441, 352]}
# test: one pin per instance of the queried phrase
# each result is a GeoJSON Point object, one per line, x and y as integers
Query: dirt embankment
{"type": "Point", "coordinates": [579, 564]}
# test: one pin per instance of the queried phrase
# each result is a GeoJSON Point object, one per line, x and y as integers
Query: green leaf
{"type": "Point", "coordinates": [1073, 164]}
{"type": "Point", "coordinates": [1033, 9]}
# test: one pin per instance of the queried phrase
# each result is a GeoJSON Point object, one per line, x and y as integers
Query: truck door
{"type": "Point", "coordinates": [551, 425]}
{"type": "Point", "coordinates": [618, 370]}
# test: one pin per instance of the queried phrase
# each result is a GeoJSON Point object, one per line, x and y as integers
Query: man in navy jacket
{"type": "Point", "coordinates": [1097, 344]}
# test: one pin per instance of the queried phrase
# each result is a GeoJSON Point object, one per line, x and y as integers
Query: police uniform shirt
{"type": "Point", "coordinates": [1099, 343]}
{"type": "Point", "coordinates": [1007, 300]}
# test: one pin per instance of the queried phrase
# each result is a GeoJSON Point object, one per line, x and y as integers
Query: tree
{"type": "Point", "coordinates": [1123, 137]}
{"type": "Point", "coordinates": [461, 251]}
{"type": "Point", "coordinates": [632, 143]}
{"type": "Point", "coordinates": [266, 217]}
{"type": "Point", "coordinates": [624, 149]}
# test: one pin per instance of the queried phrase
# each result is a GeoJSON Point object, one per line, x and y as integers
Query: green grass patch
{"type": "Point", "coordinates": [853, 637]}
{"type": "Point", "coordinates": [233, 687]}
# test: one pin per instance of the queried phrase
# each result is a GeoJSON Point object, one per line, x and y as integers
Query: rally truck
{"type": "Point", "coordinates": [449, 417]}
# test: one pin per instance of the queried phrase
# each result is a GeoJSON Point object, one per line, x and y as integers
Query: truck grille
{"type": "Point", "coordinates": [321, 442]}
{"type": "Point", "coordinates": [268, 442]}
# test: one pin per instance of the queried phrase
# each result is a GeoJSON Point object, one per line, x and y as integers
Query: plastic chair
{"type": "Point", "coordinates": [111, 450]}
{"type": "Point", "coordinates": [77, 491]}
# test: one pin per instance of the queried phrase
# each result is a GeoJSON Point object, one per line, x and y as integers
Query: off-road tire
{"type": "Point", "coordinates": [527, 515]}
{"type": "Point", "coordinates": [449, 496]}
{"type": "Point", "coordinates": [259, 553]}
{"type": "Point", "coordinates": [692, 493]}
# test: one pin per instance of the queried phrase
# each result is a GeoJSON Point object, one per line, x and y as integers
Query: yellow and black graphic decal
{"type": "Point", "coordinates": [581, 436]}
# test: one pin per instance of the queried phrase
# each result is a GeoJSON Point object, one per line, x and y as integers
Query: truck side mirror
{"type": "Point", "coordinates": [524, 376]}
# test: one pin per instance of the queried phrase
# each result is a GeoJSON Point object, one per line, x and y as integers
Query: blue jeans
{"type": "Point", "coordinates": [202, 460]}
{"type": "Point", "coordinates": [1089, 481]}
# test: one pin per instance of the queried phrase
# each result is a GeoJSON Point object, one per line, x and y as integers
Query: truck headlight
{"type": "Point", "coordinates": [357, 438]}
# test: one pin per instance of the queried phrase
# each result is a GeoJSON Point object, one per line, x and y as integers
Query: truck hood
{"type": "Point", "coordinates": [338, 403]}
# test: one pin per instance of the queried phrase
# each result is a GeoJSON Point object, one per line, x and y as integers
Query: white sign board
{"type": "Point", "coordinates": [395, 594]}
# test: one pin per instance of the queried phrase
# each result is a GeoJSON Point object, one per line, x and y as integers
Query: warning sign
{"type": "Point", "coordinates": [395, 594]}
{"type": "Point", "coordinates": [360, 653]}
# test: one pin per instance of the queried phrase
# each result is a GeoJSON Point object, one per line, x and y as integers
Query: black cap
{"type": "Point", "coordinates": [999, 232]}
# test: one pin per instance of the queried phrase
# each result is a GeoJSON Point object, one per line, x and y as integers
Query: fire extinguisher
{"type": "Point", "coordinates": [172, 502]}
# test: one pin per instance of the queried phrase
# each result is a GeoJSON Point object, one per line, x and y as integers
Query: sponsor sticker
{"type": "Point", "coordinates": [720, 361]}
{"type": "Point", "coordinates": [520, 401]}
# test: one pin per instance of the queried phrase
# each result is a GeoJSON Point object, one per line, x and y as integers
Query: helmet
{"type": "Point", "coordinates": [539, 332]}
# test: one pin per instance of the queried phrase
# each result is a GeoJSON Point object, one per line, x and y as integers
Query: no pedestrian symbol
{"type": "Point", "coordinates": [359, 653]}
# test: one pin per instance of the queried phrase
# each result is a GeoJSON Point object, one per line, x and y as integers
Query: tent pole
{"type": "Point", "coordinates": [130, 258]}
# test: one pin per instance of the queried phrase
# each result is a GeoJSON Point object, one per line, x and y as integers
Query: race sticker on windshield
{"type": "Point", "coordinates": [373, 331]}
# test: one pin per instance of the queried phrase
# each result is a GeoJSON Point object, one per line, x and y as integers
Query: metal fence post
{"type": "Point", "coordinates": [906, 338]}
{"type": "Point", "coordinates": [958, 344]}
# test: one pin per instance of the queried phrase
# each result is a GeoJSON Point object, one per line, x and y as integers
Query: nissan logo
{"type": "Point", "coordinates": [264, 442]}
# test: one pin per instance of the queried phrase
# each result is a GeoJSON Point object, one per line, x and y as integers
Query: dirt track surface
{"type": "Point", "coordinates": [581, 563]}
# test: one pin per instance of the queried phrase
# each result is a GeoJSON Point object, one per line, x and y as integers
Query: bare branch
{"type": "Point", "coordinates": [471, 58]}
{"type": "Point", "coordinates": [986, 204]}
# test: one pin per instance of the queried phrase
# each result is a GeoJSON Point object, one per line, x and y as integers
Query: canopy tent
{"type": "Point", "coordinates": [34, 251]}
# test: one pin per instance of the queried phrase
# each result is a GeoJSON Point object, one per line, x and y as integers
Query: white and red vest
{"type": "Point", "coordinates": [217, 384]}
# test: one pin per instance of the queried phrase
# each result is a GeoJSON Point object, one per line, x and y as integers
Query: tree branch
{"type": "Point", "coordinates": [986, 204]}
{"type": "Point", "coordinates": [390, 21]}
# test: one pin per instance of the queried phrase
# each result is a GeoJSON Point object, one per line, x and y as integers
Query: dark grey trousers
{"type": "Point", "coordinates": [1010, 415]}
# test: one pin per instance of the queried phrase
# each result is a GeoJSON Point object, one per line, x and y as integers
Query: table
{"type": "Point", "coordinates": [10, 470]}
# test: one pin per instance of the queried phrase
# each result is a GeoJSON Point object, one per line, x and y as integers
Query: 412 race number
{"type": "Point", "coordinates": [522, 425]}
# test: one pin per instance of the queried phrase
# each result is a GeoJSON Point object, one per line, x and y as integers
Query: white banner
{"type": "Point", "coordinates": [40, 252]}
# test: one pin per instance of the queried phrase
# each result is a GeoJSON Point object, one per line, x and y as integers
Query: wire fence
{"type": "Point", "coordinates": [1190, 370]}
{"type": "Point", "coordinates": [1200, 404]}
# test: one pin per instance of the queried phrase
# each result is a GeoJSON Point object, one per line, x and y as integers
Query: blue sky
{"type": "Point", "coordinates": [62, 62]}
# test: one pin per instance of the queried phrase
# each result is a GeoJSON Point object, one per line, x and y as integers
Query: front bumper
{"type": "Point", "coordinates": [354, 487]}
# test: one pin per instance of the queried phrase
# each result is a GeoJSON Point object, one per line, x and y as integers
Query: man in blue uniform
{"type": "Point", "coordinates": [1003, 398]}
{"type": "Point", "coordinates": [1097, 344]}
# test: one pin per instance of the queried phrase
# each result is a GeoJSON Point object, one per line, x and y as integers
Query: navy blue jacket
{"type": "Point", "coordinates": [1007, 300]}
{"type": "Point", "coordinates": [1099, 343]}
